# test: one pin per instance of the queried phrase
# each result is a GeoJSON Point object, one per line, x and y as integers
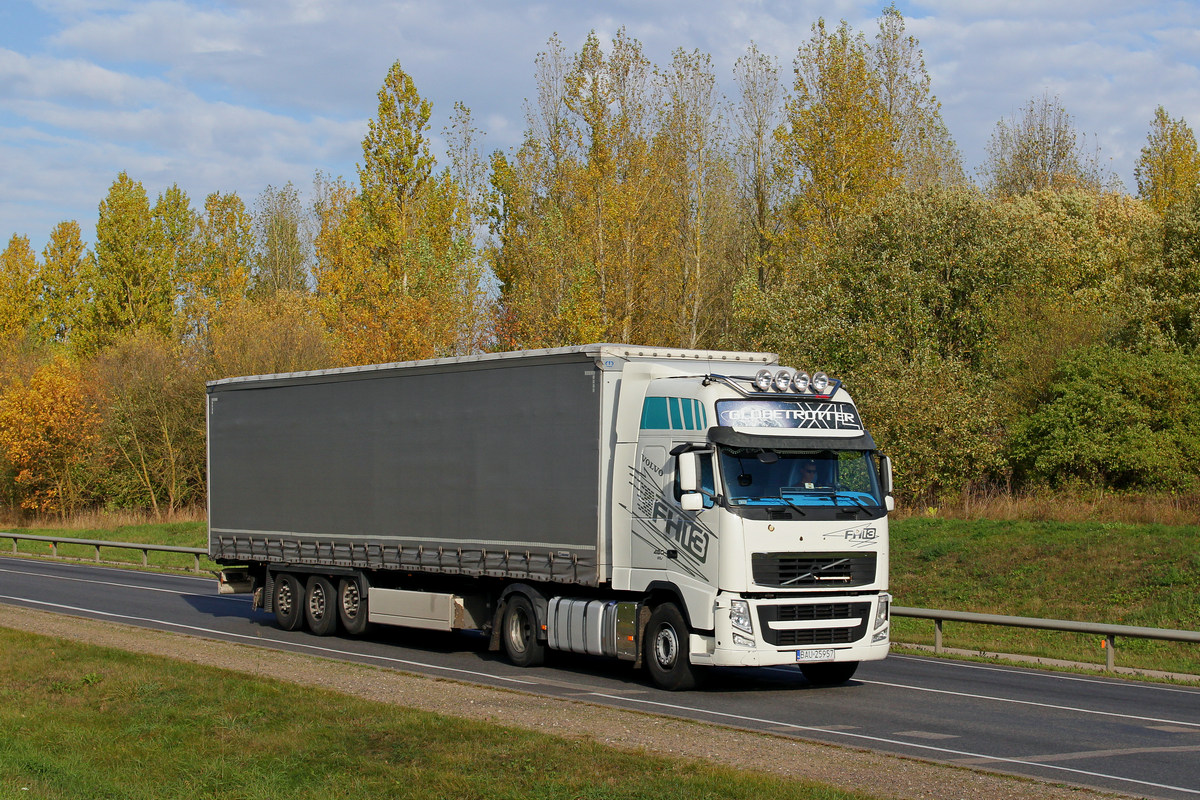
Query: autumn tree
{"type": "Point", "coordinates": [618, 183]}
{"type": "Point", "coordinates": [396, 262]}
{"type": "Point", "coordinates": [133, 288]}
{"type": "Point", "coordinates": [1040, 149]}
{"type": "Point", "coordinates": [1168, 170]}
{"type": "Point", "coordinates": [220, 270]}
{"type": "Point", "coordinates": [282, 242]}
{"type": "Point", "coordinates": [755, 117]}
{"type": "Point", "coordinates": [153, 427]}
{"type": "Point", "coordinates": [20, 287]}
{"type": "Point", "coordinates": [926, 152]}
{"type": "Point", "coordinates": [172, 250]}
{"type": "Point", "coordinates": [547, 286]}
{"type": "Point", "coordinates": [691, 143]}
{"type": "Point", "coordinates": [48, 432]}
{"type": "Point", "coordinates": [280, 332]}
{"type": "Point", "coordinates": [67, 278]}
{"type": "Point", "coordinates": [836, 144]}
{"type": "Point", "coordinates": [1175, 282]}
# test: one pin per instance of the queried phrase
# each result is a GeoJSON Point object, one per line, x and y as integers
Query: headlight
{"type": "Point", "coordinates": [881, 610]}
{"type": "Point", "coordinates": [820, 382]}
{"type": "Point", "coordinates": [800, 382]}
{"type": "Point", "coordinates": [742, 641]}
{"type": "Point", "coordinates": [763, 380]}
{"type": "Point", "coordinates": [783, 379]}
{"type": "Point", "coordinates": [739, 615]}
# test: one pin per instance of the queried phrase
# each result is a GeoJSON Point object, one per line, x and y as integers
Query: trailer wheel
{"type": "Point", "coordinates": [320, 608]}
{"type": "Point", "coordinates": [518, 632]}
{"type": "Point", "coordinates": [288, 602]}
{"type": "Point", "coordinates": [352, 606]}
{"type": "Point", "coordinates": [829, 674]}
{"type": "Point", "coordinates": [666, 655]}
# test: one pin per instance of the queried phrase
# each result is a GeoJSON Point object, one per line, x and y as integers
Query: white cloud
{"type": "Point", "coordinates": [236, 95]}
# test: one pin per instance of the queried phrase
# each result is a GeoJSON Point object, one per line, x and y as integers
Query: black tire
{"type": "Point", "coordinates": [288, 602]}
{"type": "Point", "coordinates": [320, 606]}
{"type": "Point", "coordinates": [832, 673]}
{"type": "Point", "coordinates": [666, 650]}
{"type": "Point", "coordinates": [519, 633]}
{"type": "Point", "coordinates": [352, 606]}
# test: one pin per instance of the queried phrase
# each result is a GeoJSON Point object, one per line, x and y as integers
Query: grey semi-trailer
{"type": "Point", "coordinates": [681, 509]}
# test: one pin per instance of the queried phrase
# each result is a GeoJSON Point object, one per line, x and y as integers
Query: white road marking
{"type": "Point", "coordinates": [123, 585]}
{"type": "Point", "coordinates": [1034, 670]}
{"type": "Point", "coordinates": [262, 639]}
{"type": "Point", "coordinates": [1028, 703]}
{"type": "Point", "coordinates": [883, 740]}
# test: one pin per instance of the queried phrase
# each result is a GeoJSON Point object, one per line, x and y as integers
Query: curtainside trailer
{"type": "Point", "coordinates": [680, 509]}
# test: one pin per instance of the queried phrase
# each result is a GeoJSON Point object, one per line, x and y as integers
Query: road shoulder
{"type": "Point", "coordinates": [845, 768]}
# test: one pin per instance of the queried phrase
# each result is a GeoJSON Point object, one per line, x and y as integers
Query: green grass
{"type": "Point", "coordinates": [1145, 575]}
{"type": "Point", "coordinates": [174, 534]}
{"type": "Point", "coordinates": [78, 721]}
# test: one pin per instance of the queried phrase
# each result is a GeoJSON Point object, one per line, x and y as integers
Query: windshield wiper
{"type": "Point", "coordinates": [798, 509]}
{"type": "Point", "coordinates": [852, 499]}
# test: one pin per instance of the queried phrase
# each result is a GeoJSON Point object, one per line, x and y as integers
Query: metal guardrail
{"type": "Point", "coordinates": [1110, 632]}
{"type": "Point", "coordinates": [55, 541]}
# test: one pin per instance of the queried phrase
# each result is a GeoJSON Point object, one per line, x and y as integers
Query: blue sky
{"type": "Point", "coordinates": [238, 95]}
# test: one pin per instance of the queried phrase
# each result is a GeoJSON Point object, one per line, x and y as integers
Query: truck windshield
{"type": "Point", "coordinates": [800, 478]}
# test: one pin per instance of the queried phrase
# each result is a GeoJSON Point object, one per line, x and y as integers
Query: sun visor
{"type": "Point", "coordinates": [723, 434]}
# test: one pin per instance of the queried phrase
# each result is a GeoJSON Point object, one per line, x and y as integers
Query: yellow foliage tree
{"type": "Point", "coordinates": [67, 275]}
{"type": "Point", "coordinates": [20, 286]}
{"type": "Point", "coordinates": [1168, 170]}
{"type": "Point", "coordinates": [397, 272]}
{"type": "Point", "coordinates": [837, 145]}
{"type": "Point", "coordinates": [48, 431]}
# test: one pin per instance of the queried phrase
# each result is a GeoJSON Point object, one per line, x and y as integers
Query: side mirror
{"type": "Point", "coordinates": [690, 498]}
{"type": "Point", "coordinates": [689, 470]}
{"type": "Point", "coordinates": [885, 481]}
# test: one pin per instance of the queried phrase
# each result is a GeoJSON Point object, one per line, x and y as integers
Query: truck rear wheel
{"type": "Point", "coordinates": [829, 674]}
{"type": "Point", "coordinates": [320, 606]}
{"type": "Point", "coordinates": [518, 633]}
{"type": "Point", "coordinates": [288, 602]}
{"type": "Point", "coordinates": [666, 654]}
{"type": "Point", "coordinates": [352, 606]}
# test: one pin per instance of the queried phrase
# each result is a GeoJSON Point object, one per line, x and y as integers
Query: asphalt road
{"type": "Point", "coordinates": [1131, 737]}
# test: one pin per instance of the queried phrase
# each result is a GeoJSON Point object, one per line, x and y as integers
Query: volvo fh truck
{"type": "Point", "coordinates": [680, 509]}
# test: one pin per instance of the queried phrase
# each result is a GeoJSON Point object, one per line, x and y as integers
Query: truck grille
{"type": "Point", "coordinates": [858, 612]}
{"type": "Point", "coordinates": [791, 570]}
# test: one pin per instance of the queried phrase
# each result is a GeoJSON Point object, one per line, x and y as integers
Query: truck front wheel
{"type": "Point", "coordinates": [666, 654]}
{"type": "Point", "coordinates": [518, 632]}
{"type": "Point", "coordinates": [320, 608]}
{"type": "Point", "coordinates": [288, 602]}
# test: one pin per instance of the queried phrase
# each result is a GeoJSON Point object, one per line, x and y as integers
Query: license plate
{"type": "Point", "coordinates": [814, 655]}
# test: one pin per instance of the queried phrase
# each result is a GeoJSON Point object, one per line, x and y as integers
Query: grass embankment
{"type": "Point", "coordinates": [82, 721]}
{"type": "Point", "coordinates": [173, 534]}
{"type": "Point", "coordinates": [1125, 573]}
{"type": "Point", "coordinates": [1129, 574]}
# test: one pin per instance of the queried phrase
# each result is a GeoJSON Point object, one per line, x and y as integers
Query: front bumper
{"type": "Point", "coordinates": [819, 629]}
